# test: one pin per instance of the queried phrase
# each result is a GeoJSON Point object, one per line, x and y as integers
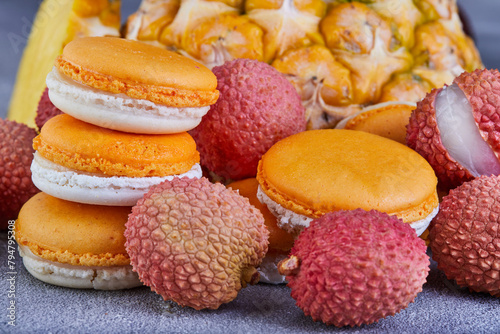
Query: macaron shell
{"type": "Point", "coordinates": [118, 111]}
{"type": "Point", "coordinates": [319, 171]}
{"type": "Point", "coordinates": [279, 239]}
{"type": "Point", "coordinates": [139, 70]}
{"type": "Point", "coordinates": [73, 233]}
{"type": "Point", "coordinates": [85, 147]}
{"type": "Point", "coordinates": [388, 121]}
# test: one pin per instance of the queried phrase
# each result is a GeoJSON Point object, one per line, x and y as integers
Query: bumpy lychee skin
{"type": "Point", "coordinates": [16, 154]}
{"type": "Point", "coordinates": [465, 235]}
{"type": "Point", "coordinates": [350, 268]}
{"type": "Point", "coordinates": [195, 242]}
{"type": "Point", "coordinates": [482, 90]}
{"type": "Point", "coordinates": [257, 107]}
{"type": "Point", "coordinates": [45, 110]}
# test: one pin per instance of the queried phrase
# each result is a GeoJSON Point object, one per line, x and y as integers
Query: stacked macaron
{"type": "Point", "coordinates": [127, 109]}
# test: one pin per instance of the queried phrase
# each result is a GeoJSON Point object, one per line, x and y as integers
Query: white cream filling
{"type": "Point", "coordinates": [80, 277]}
{"type": "Point", "coordinates": [294, 223]}
{"type": "Point", "coordinates": [119, 103]}
{"type": "Point", "coordinates": [288, 220]}
{"type": "Point", "coordinates": [421, 225]}
{"type": "Point", "coordinates": [119, 111]}
{"type": "Point", "coordinates": [67, 177]}
{"type": "Point", "coordinates": [99, 189]}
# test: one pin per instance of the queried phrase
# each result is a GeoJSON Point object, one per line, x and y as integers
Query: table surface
{"type": "Point", "coordinates": [441, 307]}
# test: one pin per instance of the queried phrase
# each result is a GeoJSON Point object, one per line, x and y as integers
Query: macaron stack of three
{"type": "Point", "coordinates": [127, 109]}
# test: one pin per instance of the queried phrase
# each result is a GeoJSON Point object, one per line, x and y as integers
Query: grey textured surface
{"type": "Point", "coordinates": [42, 308]}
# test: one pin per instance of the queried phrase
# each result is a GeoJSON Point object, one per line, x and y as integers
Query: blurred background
{"type": "Point", "coordinates": [16, 18]}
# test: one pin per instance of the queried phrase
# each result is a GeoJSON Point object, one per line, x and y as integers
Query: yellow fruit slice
{"type": "Point", "coordinates": [56, 22]}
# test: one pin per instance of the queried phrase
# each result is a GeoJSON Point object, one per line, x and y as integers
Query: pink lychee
{"type": "Point", "coordinates": [16, 154]}
{"type": "Point", "coordinates": [457, 128]}
{"type": "Point", "coordinates": [350, 268]}
{"type": "Point", "coordinates": [195, 242]}
{"type": "Point", "coordinates": [465, 235]}
{"type": "Point", "coordinates": [45, 110]}
{"type": "Point", "coordinates": [257, 107]}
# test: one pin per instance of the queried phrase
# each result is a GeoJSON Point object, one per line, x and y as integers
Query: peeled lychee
{"type": "Point", "coordinates": [45, 110]}
{"type": "Point", "coordinates": [16, 154]}
{"type": "Point", "coordinates": [465, 235]}
{"type": "Point", "coordinates": [350, 268]}
{"type": "Point", "coordinates": [256, 108]}
{"type": "Point", "coordinates": [195, 242]}
{"type": "Point", "coordinates": [457, 128]}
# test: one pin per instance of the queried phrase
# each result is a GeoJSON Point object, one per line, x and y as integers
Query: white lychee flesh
{"type": "Point", "coordinates": [460, 134]}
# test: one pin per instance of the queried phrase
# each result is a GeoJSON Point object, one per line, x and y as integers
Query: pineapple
{"type": "Point", "coordinates": [47, 38]}
{"type": "Point", "coordinates": [341, 55]}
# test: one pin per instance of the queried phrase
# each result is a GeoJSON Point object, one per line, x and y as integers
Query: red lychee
{"type": "Point", "coordinates": [350, 268]}
{"type": "Point", "coordinates": [465, 235]}
{"type": "Point", "coordinates": [16, 154]}
{"type": "Point", "coordinates": [257, 107]}
{"type": "Point", "coordinates": [457, 128]}
{"type": "Point", "coordinates": [195, 242]}
{"type": "Point", "coordinates": [45, 110]}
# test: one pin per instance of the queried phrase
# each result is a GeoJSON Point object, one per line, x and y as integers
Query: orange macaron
{"type": "Point", "coordinates": [81, 162]}
{"type": "Point", "coordinates": [75, 245]}
{"type": "Point", "coordinates": [388, 119]}
{"type": "Point", "coordinates": [309, 174]}
{"type": "Point", "coordinates": [280, 241]}
{"type": "Point", "coordinates": [131, 86]}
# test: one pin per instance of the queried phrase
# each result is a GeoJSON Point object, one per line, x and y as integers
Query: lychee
{"type": "Point", "coordinates": [45, 110]}
{"type": "Point", "coordinates": [195, 242]}
{"type": "Point", "coordinates": [350, 268]}
{"type": "Point", "coordinates": [465, 235]}
{"type": "Point", "coordinates": [257, 107]}
{"type": "Point", "coordinates": [457, 128]}
{"type": "Point", "coordinates": [16, 154]}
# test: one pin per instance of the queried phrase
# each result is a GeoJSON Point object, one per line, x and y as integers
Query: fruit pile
{"type": "Point", "coordinates": [341, 210]}
{"type": "Point", "coordinates": [339, 55]}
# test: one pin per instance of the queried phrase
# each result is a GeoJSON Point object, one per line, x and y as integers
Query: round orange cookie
{"type": "Point", "coordinates": [85, 163]}
{"type": "Point", "coordinates": [311, 173]}
{"type": "Point", "coordinates": [280, 241]}
{"type": "Point", "coordinates": [387, 119]}
{"type": "Point", "coordinates": [278, 238]}
{"type": "Point", "coordinates": [131, 86]}
{"type": "Point", "coordinates": [75, 245]}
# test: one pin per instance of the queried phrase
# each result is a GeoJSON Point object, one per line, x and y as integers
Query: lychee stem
{"type": "Point", "coordinates": [289, 266]}
{"type": "Point", "coordinates": [249, 275]}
